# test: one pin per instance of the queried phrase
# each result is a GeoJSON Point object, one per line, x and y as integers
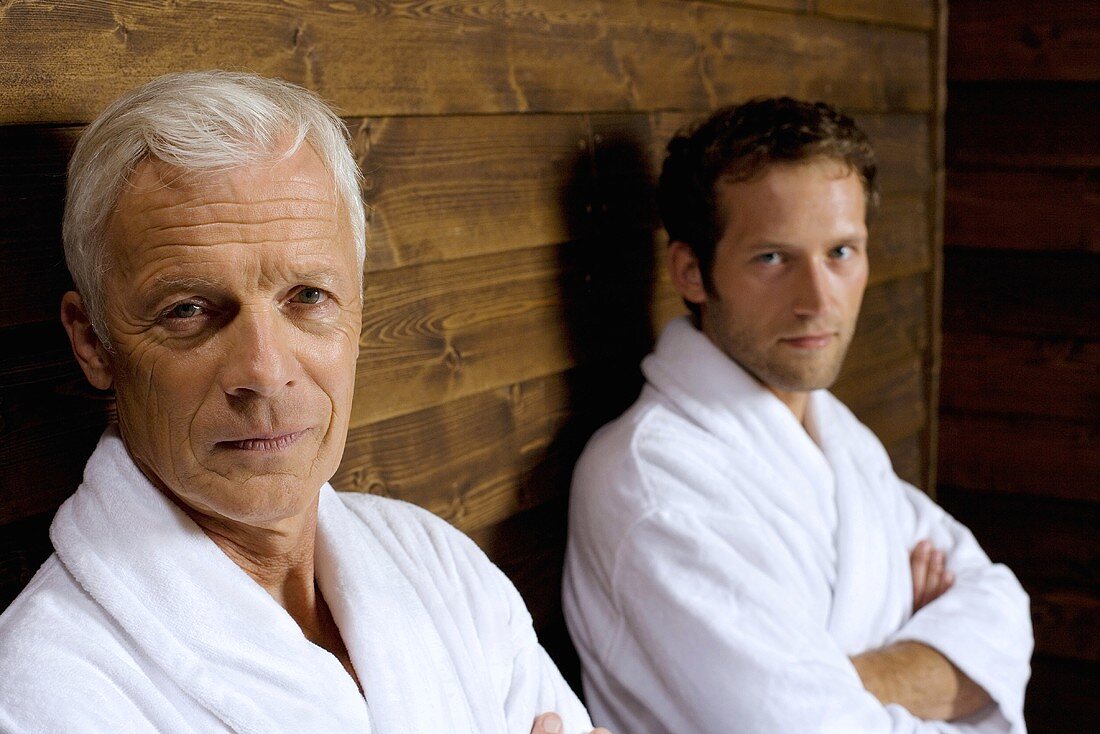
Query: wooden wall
{"type": "Point", "coordinates": [1020, 421]}
{"type": "Point", "coordinates": [514, 276]}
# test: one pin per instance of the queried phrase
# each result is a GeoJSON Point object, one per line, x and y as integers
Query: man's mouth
{"type": "Point", "coordinates": [263, 441]}
{"type": "Point", "coordinates": [809, 341]}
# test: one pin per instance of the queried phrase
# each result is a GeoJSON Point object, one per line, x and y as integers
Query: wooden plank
{"type": "Point", "coordinates": [1013, 40]}
{"type": "Point", "coordinates": [908, 458]}
{"type": "Point", "coordinates": [1023, 210]}
{"type": "Point", "coordinates": [493, 454]}
{"type": "Point", "coordinates": [24, 546]}
{"type": "Point", "coordinates": [912, 13]}
{"type": "Point", "coordinates": [32, 191]}
{"type": "Point", "coordinates": [437, 332]}
{"type": "Point", "coordinates": [1021, 294]}
{"type": "Point", "coordinates": [1053, 125]}
{"type": "Point", "coordinates": [1020, 454]}
{"type": "Point", "coordinates": [900, 244]}
{"type": "Point", "coordinates": [1008, 375]}
{"type": "Point", "coordinates": [1049, 544]}
{"type": "Point", "coordinates": [482, 57]}
{"type": "Point", "coordinates": [447, 187]}
{"type": "Point", "coordinates": [889, 400]}
{"type": "Point", "coordinates": [1061, 697]}
{"type": "Point", "coordinates": [761, 53]}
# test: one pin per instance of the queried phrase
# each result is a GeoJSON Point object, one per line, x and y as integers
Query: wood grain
{"type": "Point", "coordinates": [1048, 210]}
{"type": "Point", "coordinates": [1020, 455]}
{"type": "Point", "coordinates": [1005, 375]}
{"type": "Point", "coordinates": [913, 13]}
{"type": "Point", "coordinates": [470, 57]}
{"type": "Point", "coordinates": [1010, 40]}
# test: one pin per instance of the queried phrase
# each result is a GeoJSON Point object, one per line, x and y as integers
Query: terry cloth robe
{"type": "Point", "coordinates": [139, 623]}
{"type": "Point", "coordinates": [723, 566]}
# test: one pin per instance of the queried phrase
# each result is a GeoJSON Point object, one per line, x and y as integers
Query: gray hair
{"type": "Point", "coordinates": [198, 121]}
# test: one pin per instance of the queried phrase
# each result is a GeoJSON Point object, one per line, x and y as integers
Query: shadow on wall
{"type": "Point", "coordinates": [50, 417]}
{"type": "Point", "coordinates": [607, 277]}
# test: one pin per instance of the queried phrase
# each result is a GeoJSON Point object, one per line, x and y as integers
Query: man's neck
{"type": "Point", "coordinates": [797, 402]}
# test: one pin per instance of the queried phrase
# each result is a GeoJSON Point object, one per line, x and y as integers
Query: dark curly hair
{"type": "Point", "coordinates": [735, 144]}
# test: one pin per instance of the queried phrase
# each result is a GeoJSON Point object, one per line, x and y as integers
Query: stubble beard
{"type": "Point", "coordinates": [773, 365]}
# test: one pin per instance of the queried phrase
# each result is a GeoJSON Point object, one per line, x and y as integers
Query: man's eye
{"type": "Point", "coordinates": [184, 311]}
{"type": "Point", "coordinates": [842, 251]}
{"type": "Point", "coordinates": [769, 258]}
{"type": "Point", "coordinates": [310, 296]}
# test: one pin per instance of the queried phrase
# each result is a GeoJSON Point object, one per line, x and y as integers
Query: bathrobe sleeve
{"type": "Point", "coordinates": [529, 681]}
{"type": "Point", "coordinates": [982, 623]}
{"type": "Point", "coordinates": [715, 636]}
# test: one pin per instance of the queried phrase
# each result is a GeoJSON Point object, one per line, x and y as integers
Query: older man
{"type": "Point", "coordinates": [742, 557]}
{"type": "Point", "coordinates": [206, 576]}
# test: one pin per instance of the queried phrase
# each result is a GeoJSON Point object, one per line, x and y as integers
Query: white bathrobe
{"type": "Point", "coordinates": [723, 565]}
{"type": "Point", "coordinates": [139, 623]}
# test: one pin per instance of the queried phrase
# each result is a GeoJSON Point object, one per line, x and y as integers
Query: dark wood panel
{"type": "Point", "coordinates": [1013, 40]}
{"type": "Point", "coordinates": [1048, 543]}
{"type": "Point", "coordinates": [32, 189]}
{"type": "Point", "coordinates": [566, 55]}
{"type": "Point", "coordinates": [1001, 375]}
{"type": "Point", "coordinates": [1061, 698]}
{"type": "Point", "coordinates": [915, 13]}
{"type": "Point", "coordinates": [1023, 210]}
{"type": "Point", "coordinates": [1023, 124]}
{"type": "Point", "coordinates": [1021, 294]}
{"type": "Point", "coordinates": [24, 546]}
{"type": "Point", "coordinates": [50, 419]}
{"type": "Point", "coordinates": [1020, 454]}
{"type": "Point", "coordinates": [1065, 624]}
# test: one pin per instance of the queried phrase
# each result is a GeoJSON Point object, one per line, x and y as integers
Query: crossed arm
{"type": "Point", "coordinates": [914, 675]}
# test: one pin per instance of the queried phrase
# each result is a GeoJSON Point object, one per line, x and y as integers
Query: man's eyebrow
{"type": "Point", "coordinates": [165, 285]}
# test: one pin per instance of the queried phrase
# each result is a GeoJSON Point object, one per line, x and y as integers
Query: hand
{"type": "Point", "coordinates": [930, 577]}
{"type": "Point", "coordinates": [551, 724]}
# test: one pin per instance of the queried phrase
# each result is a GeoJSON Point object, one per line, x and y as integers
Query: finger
{"type": "Point", "coordinates": [933, 586]}
{"type": "Point", "coordinates": [918, 562]}
{"type": "Point", "coordinates": [548, 723]}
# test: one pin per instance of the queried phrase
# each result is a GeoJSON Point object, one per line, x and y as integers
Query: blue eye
{"type": "Point", "coordinates": [184, 310]}
{"type": "Point", "coordinates": [841, 252]}
{"type": "Point", "coordinates": [310, 296]}
{"type": "Point", "coordinates": [769, 258]}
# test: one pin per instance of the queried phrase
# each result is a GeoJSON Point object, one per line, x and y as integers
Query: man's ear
{"type": "Point", "coordinates": [87, 348]}
{"type": "Point", "coordinates": [683, 269]}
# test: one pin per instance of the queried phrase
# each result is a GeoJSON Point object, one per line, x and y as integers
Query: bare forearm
{"type": "Point", "coordinates": [921, 680]}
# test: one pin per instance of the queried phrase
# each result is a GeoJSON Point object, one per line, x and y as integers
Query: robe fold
{"type": "Point", "coordinates": [725, 561]}
{"type": "Point", "coordinates": [139, 623]}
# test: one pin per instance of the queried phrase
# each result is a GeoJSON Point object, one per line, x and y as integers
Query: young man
{"type": "Point", "coordinates": [742, 557]}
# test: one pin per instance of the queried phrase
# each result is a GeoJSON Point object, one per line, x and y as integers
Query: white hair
{"type": "Point", "coordinates": [197, 121]}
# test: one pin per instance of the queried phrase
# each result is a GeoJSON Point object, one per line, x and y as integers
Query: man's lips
{"type": "Point", "coordinates": [267, 441]}
{"type": "Point", "coordinates": [809, 341]}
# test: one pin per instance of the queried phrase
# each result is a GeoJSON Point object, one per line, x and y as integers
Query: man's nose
{"type": "Point", "coordinates": [260, 358]}
{"type": "Point", "coordinates": [812, 289]}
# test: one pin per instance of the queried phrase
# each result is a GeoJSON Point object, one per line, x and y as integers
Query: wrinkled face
{"type": "Point", "coordinates": [233, 302]}
{"type": "Point", "coordinates": [789, 274]}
